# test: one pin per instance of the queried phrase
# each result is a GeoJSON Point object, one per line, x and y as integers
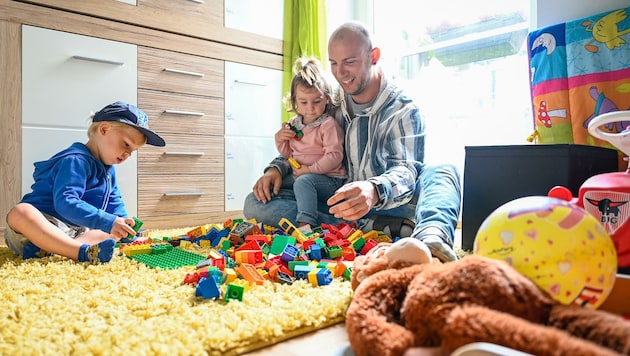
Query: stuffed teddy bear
{"type": "Point", "coordinates": [403, 300]}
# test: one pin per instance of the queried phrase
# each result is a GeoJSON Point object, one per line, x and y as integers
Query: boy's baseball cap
{"type": "Point", "coordinates": [132, 116]}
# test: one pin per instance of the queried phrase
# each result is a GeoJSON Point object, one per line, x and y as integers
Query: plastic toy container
{"type": "Point", "coordinates": [494, 175]}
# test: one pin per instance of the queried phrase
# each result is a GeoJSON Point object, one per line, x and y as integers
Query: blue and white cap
{"type": "Point", "coordinates": [132, 116]}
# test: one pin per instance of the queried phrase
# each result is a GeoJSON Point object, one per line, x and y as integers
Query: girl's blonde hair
{"type": "Point", "coordinates": [308, 73]}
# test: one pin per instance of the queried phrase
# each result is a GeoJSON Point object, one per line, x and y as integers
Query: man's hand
{"type": "Point", "coordinates": [353, 200]}
{"type": "Point", "coordinates": [271, 179]}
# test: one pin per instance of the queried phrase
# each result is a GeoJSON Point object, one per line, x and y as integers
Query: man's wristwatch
{"type": "Point", "coordinates": [380, 190]}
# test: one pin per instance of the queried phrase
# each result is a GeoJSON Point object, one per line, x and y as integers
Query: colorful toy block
{"type": "Point", "coordinates": [136, 226]}
{"type": "Point", "coordinates": [294, 164]}
{"type": "Point", "coordinates": [234, 291]}
{"type": "Point", "coordinates": [289, 254]}
{"type": "Point", "coordinates": [298, 132]}
{"type": "Point", "coordinates": [284, 278]}
{"type": "Point", "coordinates": [315, 252]}
{"type": "Point", "coordinates": [208, 289]}
{"type": "Point", "coordinates": [230, 275]}
{"type": "Point", "coordinates": [197, 232]}
{"type": "Point", "coordinates": [279, 242]}
{"type": "Point", "coordinates": [175, 258]}
{"type": "Point", "coordinates": [238, 232]}
{"type": "Point", "coordinates": [301, 271]}
{"type": "Point", "coordinates": [320, 277]}
{"type": "Point", "coordinates": [249, 273]}
{"type": "Point", "coordinates": [290, 229]}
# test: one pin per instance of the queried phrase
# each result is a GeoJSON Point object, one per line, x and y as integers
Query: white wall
{"type": "Point", "coordinates": [549, 12]}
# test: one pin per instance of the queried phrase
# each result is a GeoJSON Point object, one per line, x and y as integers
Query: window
{"type": "Point", "coordinates": [465, 65]}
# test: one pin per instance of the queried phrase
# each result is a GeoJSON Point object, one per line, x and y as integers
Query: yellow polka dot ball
{"type": "Point", "coordinates": [558, 245]}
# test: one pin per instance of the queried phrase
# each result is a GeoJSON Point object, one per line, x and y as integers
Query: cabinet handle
{"type": "Point", "coordinates": [182, 112]}
{"type": "Point", "coordinates": [99, 60]}
{"type": "Point", "coordinates": [184, 193]}
{"type": "Point", "coordinates": [183, 153]}
{"type": "Point", "coordinates": [250, 83]}
{"type": "Point", "coordinates": [185, 72]}
{"type": "Point", "coordinates": [197, 1]}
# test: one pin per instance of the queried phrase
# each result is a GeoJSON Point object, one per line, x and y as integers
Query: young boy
{"type": "Point", "coordinates": [75, 208]}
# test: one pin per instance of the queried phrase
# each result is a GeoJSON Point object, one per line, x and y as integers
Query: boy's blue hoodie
{"type": "Point", "coordinates": [77, 188]}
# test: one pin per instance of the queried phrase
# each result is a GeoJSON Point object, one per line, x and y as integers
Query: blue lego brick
{"type": "Point", "coordinates": [324, 277]}
{"type": "Point", "coordinates": [289, 254]}
{"type": "Point", "coordinates": [301, 271]}
{"type": "Point", "coordinates": [207, 288]}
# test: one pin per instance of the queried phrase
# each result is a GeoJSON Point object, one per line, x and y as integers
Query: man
{"type": "Point", "coordinates": [388, 187]}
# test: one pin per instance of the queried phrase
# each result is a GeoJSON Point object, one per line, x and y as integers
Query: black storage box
{"type": "Point", "coordinates": [495, 175]}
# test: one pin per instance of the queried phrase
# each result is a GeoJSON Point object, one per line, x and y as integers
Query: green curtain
{"type": "Point", "coordinates": [304, 35]}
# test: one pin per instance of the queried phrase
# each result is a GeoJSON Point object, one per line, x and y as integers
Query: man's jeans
{"type": "Point", "coordinates": [438, 191]}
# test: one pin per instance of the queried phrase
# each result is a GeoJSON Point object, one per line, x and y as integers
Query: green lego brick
{"type": "Point", "coordinates": [175, 258]}
{"type": "Point", "coordinates": [137, 225]}
{"type": "Point", "coordinates": [279, 242]}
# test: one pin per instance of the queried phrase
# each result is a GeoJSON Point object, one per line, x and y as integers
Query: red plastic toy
{"type": "Point", "coordinates": [607, 196]}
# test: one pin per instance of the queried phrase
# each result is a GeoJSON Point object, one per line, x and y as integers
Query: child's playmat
{"type": "Point", "coordinates": [216, 289]}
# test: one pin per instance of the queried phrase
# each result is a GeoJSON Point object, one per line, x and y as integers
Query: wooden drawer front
{"type": "Point", "coordinates": [182, 113]}
{"type": "Point", "coordinates": [183, 155]}
{"type": "Point", "coordinates": [160, 195]}
{"type": "Point", "coordinates": [189, 11]}
{"type": "Point", "coordinates": [181, 73]}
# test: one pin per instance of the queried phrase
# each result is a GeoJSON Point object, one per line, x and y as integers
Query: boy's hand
{"type": "Point", "coordinates": [122, 227]}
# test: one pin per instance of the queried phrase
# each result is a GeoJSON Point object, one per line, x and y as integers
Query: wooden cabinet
{"type": "Point", "coordinates": [179, 50]}
{"type": "Point", "coordinates": [197, 18]}
{"type": "Point", "coordinates": [183, 96]}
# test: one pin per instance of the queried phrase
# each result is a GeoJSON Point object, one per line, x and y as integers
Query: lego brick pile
{"type": "Point", "coordinates": [133, 306]}
{"type": "Point", "coordinates": [241, 254]}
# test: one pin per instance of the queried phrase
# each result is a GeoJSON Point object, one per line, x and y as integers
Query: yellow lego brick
{"type": "Point", "coordinates": [214, 254]}
{"type": "Point", "coordinates": [241, 282]}
{"type": "Point", "coordinates": [355, 236]}
{"type": "Point", "coordinates": [294, 164]}
{"type": "Point", "coordinates": [230, 275]}
{"type": "Point", "coordinates": [371, 235]}
{"type": "Point", "coordinates": [332, 267]}
{"type": "Point", "coordinates": [382, 238]}
{"type": "Point", "coordinates": [312, 276]}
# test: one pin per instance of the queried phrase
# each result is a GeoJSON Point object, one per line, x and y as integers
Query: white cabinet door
{"type": "Point", "coordinates": [65, 78]}
{"type": "Point", "coordinates": [245, 159]}
{"type": "Point", "coordinates": [260, 17]}
{"type": "Point", "coordinates": [253, 104]}
{"type": "Point", "coordinates": [253, 100]}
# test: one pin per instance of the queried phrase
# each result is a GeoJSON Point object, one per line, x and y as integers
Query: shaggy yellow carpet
{"type": "Point", "coordinates": [55, 306]}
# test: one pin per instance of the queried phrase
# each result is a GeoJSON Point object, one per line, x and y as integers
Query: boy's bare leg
{"type": "Point", "coordinates": [30, 222]}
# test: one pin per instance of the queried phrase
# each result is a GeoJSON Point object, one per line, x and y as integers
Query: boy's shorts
{"type": "Point", "coordinates": [16, 241]}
